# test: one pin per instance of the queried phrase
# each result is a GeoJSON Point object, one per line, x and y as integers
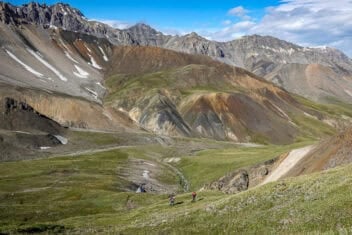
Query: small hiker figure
{"type": "Point", "coordinates": [172, 199]}
{"type": "Point", "coordinates": [194, 195]}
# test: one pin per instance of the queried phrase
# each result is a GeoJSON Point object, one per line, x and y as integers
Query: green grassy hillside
{"type": "Point", "coordinates": [83, 194]}
{"type": "Point", "coordinates": [318, 203]}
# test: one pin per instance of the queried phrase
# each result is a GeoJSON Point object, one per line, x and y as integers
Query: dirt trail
{"type": "Point", "coordinates": [288, 163]}
{"type": "Point", "coordinates": [92, 151]}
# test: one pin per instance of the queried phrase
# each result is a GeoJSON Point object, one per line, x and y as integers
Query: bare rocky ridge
{"type": "Point", "coordinates": [269, 57]}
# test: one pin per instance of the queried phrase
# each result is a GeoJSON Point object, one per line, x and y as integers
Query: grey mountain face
{"type": "Point", "coordinates": [265, 56]}
{"type": "Point", "coordinates": [247, 52]}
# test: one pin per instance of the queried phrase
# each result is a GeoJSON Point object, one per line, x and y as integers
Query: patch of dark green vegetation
{"type": "Point", "coordinates": [41, 228]}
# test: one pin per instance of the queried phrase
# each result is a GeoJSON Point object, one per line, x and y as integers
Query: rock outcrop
{"type": "Point", "coordinates": [243, 179]}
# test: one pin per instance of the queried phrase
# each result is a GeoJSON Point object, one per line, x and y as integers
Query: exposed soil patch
{"type": "Point", "coordinates": [288, 163]}
{"type": "Point", "coordinates": [145, 176]}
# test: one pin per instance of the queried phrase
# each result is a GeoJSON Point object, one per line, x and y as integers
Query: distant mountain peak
{"type": "Point", "coordinates": [142, 27]}
{"type": "Point", "coordinates": [195, 36]}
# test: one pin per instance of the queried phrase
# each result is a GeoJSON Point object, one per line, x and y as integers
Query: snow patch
{"type": "Point", "coordinates": [99, 84]}
{"type": "Point", "coordinates": [280, 50]}
{"type": "Point", "coordinates": [280, 111]}
{"type": "Point", "coordinates": [62, 139]}
{"type": "Point", "coordinates": [307, 49]}
{"type": "Point", "coordinates": [63, 10]}
{"type": "Point", "coordinates": [22, 132]}
{"type": "Point", "coordinates": [93, 62]}
{"type": "Point", "coordinates": [232, 135]}
{"type": "Point", "coordinates": [200, 129]}
{"type": "Point", "coordinates": [255, 54]}
{"type": "Point", "coordinates": [146, 174]}
{"type": "Point", "coordinates": [70, 57]}
{"type": "Point", "coordinates": [49, 66]}
{"type": "Point", "coordinates": [291, 51]}
{"type": "Point", "coordinates": [81, 73]}
{"type": "Point", "coordinates": [292, 123]}
{"type": "Point", "coordinates": [104, 55]}
{"type": "Point", "coordinates": [28, 68]}
{"type": "Point", "coordinates": [44, 148]}
{"type": "Point", "coordinates": [108, 115]}
{"type": "Point", "coordinates": [150, 164]}
{"type": "Point", "coordinates": [134, 114]}
{"type": "Point", "coordinates": [64, 45]}
{"type": "Point", "coordinates": [321, 47]}
{"type": "Point", "coordinates": [88, 48]}
{"type": "Point", "coordinates": [330, 122]}
{"type": "Point", "coordinates": [172, 159]}
{"type": "Point", "coordinates": [348, 92]}
{"type": "Point", "coordinates": [250, 145]}
{"type": "Point", "coordinates": [311, 116]}
{"type": "Point", "coordinates": [95, 94]}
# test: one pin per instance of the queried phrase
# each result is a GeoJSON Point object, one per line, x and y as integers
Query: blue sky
{"type": "Point", "coordinates": [305, 22]}
{"type": "Point", "coordinates": [164, 14]}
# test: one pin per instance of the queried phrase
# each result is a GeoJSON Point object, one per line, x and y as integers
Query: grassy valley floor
{"type": "Point", "coordinates": [87, 194]}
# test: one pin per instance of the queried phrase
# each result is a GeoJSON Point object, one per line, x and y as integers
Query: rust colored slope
{"type": "Point", "coordinates": [66, 110]}
{"type": "Point", "coordinates": [137, 60]}
{"type": "Point", "coordinates": [328, 154]}
{"type": "Point", "coordinates": [238, 117]}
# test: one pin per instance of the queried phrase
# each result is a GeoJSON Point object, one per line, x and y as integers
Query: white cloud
{"type": "Point", "coordinates": [238, 11]}
{"type": "Point", "coordinates": [233, 31]}
{"type": "Point", "coordinates": [306, 22]}
{"type": "Point", "coordinates": [116, 23]}
{"type": "Point", "coordinates": [227, 22]}
{"type": "Point", "coordinates": [173, 32]}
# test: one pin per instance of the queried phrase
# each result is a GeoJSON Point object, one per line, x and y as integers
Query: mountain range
{"type": "Point", "coordinates": [95, 77]}
{"type": "Point", "coordinates": [320, 74]}
{"type": "Point", "coordinates": [83, 81]}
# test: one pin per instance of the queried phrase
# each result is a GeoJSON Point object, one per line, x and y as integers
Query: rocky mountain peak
{"type": "Point", "coordinates": [143, 34]}
{"type": "Point", "coordinates": [66, 9]}
{"type": "Point", "coordinates": [143, 29]}
{"type": "Point", "coordinates": [141, 26]}
{"type": "Point", "coordinates": [59, 15]}
{"type": "Point", "coordinates": [195, 36]}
